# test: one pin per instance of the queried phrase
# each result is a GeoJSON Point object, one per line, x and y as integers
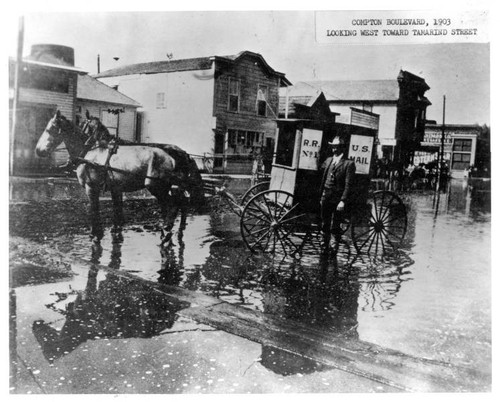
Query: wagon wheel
{"type": "Point", "coordinates": [381, 226]}
{"type": "Point", "coordinates": [270, 222]}
{"type": "Point", "coordinates": [255, 189]}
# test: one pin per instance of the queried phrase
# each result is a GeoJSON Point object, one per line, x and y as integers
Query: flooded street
{"type": "Point", "coordinates": [431, 299]}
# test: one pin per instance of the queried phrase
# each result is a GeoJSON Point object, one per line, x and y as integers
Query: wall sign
{"type": "Point", "coordinates": [309, 150]}
{"type": "Point", "coordinates": [360, 151]}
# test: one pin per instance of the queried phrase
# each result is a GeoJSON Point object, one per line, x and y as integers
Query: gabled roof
{"type": "Point", "coordinates": [299, 94]}
{"type": "Point", "coordinates": [363, 90]}
{"type": "Point", "coordinates": [91, 89]}
{"type": "Point", "coordinates": [299, 105]}
{"type": "Point", "coordinates": [155, 67]}
{"type": "Point", "coordinates": [198, 63]}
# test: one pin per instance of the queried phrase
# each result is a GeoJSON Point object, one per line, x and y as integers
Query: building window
{"type": "Point", "coordinates": [463, 145]}
{"type": "Point", "coordinates": [45, 79]}
{"type": "Point", "coordinates": [243, 140]}
{"type": "Point", "coordinates": [461, 155]}
{"type": "Point", "coordinates": [460, 161]}
{"type": "Point", "coordinates": [234, 95]}
{"type": "Point", "coordinates": [110, 120]}
{"type": "Point", "coordinates": [160, 100]}
{"type": "Point", "coordinates": [262, 95]}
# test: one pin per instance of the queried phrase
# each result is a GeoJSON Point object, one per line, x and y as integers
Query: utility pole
{"type": "Point", "coordinates": [441, 149]}
{"type": "Point", "coordinates": [15, 101]}
{"type": "Point", "coordinates": [98, 64]}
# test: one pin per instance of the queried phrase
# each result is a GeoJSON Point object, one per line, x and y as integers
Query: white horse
{"type": "Point", "coordinates": [166, 171]}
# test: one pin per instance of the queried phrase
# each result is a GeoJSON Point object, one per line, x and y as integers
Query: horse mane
{"type": "Point", "coordinates": [185, 165]}
{"type": "Point", "coordinates": [70, 126]}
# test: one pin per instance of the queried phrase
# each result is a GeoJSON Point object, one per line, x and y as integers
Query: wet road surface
{"type": "Point", "coordinates": [431, 299]}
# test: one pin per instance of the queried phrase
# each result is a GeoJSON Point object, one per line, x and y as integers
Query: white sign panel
{"type": "Point", "coordinates": [360, 151]}
{"type": "Point", "coordinates": [402, 27]}
{"type": "Point", "coordinates": [309, 150]}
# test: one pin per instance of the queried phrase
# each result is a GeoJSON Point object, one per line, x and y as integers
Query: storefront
{"type": "Point", "coordinates": [460, 142]}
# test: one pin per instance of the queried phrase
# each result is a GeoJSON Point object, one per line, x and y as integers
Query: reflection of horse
{"type": "Point", "coordinates": [165, 170]}
{"type": "Point", "coordinates": [115, 307]}
{"type": "Point", "coordinates": [172, 266]}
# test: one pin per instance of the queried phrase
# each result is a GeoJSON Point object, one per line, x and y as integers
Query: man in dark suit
{"type": "Point", "coordinates": [336, 188]}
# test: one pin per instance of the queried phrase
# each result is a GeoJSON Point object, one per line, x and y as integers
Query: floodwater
{"type": "Point", "coordinates": [430, 299]}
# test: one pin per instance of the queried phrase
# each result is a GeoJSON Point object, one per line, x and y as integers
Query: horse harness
{"type": "Point", "coordinates": [112, 149]}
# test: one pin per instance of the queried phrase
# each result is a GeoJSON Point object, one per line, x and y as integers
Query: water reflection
{"type": "Point", "coordinates": [110, 307]}
{"type": "Point", "coordinates": [468, 197]}
{"type": "Point", "coordinates": [325, 296]}
{"type": "Point", "coordinates": [381, 280]}
{"type": "Point", "coordinates": [172, 265]}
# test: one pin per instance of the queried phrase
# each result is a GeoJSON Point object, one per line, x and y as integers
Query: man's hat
{"type": "Point", "coordinates": [337, 141]}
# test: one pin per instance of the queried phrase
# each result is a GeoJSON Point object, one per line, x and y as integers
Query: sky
{"type": "Point", "coordinates": [286, 40]}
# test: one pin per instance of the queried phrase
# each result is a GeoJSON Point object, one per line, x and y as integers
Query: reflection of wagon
{"type": "Point", "coordinates": [282, 215]}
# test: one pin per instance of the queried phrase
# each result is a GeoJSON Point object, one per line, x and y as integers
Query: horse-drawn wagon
{"type": "Point", "coordinates": [282, 215]}
{"type": "Point", "coordinates": [278, 216]}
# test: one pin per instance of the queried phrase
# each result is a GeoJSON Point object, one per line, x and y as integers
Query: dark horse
{"type": "Point", "coordinates": [166, 171]}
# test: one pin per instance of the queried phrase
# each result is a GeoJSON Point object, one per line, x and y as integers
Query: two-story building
{"type": "Point", "coordinates": [219, 108]}
{"type": "Point", "coordinates": [49, 81]}
{"type": "Point", "coordinates": [398, 106]}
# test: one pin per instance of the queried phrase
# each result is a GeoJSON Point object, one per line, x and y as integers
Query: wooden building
{"type": "Point", "coordinates": [220, 108]}
{"type": "Point", "coordinates": [48, 81]}
{"type": "Point", "coordinates": [395, 107]}
{"type": "Point", "coordinates": [117, 111]}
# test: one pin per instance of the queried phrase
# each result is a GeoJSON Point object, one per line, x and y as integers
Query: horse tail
{"type": "Point", "coordinates": [188, 173]}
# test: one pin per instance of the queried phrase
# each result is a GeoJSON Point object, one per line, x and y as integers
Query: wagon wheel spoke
{"type": "Point", "coordinates": [250, 225]}
{"type": "Point", "coordinates": [251, 231]}
{"type": "Point", "coordinates": [271, 213]}
{"type": "Point", "coordinates": [252, 191]}
{"type": "Point", "coordinates": [388, 207]}
{"type": "Point", "coordinates": [360, 235]}
{"type": "Point", "coordinates": [384, 225]}
{"type": "Point", "coordinates": [258, 209]}
{"type": "Point", "coordinates": [255, 216]}
{"type": "Point", "coordinates": [260, 221]}
{"type": "Point", "coordinates": [286, 239]}
{"type": "Point", "coordinates": [396, 218]}
{"type": "Point", "coordinates": [373, 239]}
{"type": "Point", "coordinates": [394, 239]}
{"type": "Point", "coordinates": [376, 207]}
{"type": "Point", "coordinates": [389, 240]}
{"type": "Point", "coordinates": [289, 230]}
{"type": "Point", "coordinates": [282, 242]}
{"type": "Point", "coordinates": [284, 205]}
{"type": "Point", "coordinates": [259, 240]}
{"type": "Point", "coordinates": [360, 248]}
{"type": "Point", "coordinates": [293, 218]}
